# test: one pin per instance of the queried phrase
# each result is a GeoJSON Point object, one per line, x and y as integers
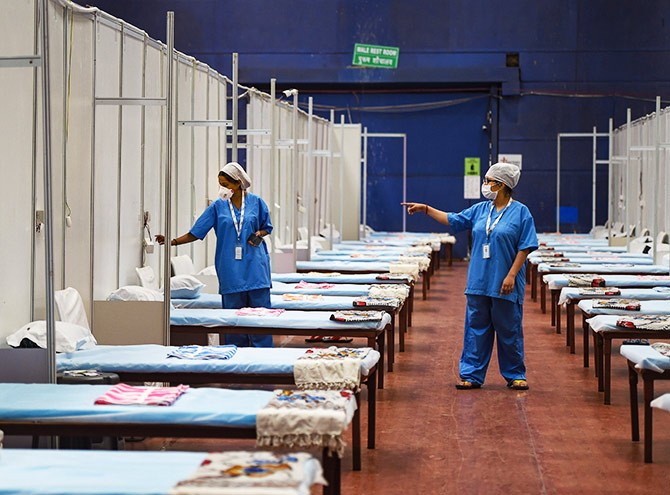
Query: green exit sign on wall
{"type": "Point", "coordinates": [385, 57]}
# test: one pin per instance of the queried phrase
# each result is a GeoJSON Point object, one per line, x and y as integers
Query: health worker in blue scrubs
{"type": "Point", "coordinates": [503, 234]}
{"type": "Point", "coordinates": [240, 220]}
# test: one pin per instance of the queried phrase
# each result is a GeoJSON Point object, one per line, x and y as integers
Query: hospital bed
{"type": "Point", "coordinates": [647, 307]}
{"type": "Point", "coordinates": [69, 410]}
{"type": "Point", "coordinates": [570, 296]}
{"type": "Point", "coordinates": [650, 365]}
{"type": "Point", "coordinates": [324, 303]}
{"type": "Point", "coordinates": [583, 258]}
{"type": "Point", "coordinates": [604, 330]}
{"type": "Point", "coordinates": [249, 365]}
{"type": "Point", "coordinates": [662, 403]}
{"type": "Point", "coordinates": [602, 271]}
{"type": "Point", "coordinates": [99, 472]}
{"type": "Point", "coordinates": [360, 267]}
{"type": "Point", "coordinates": [192, 326]}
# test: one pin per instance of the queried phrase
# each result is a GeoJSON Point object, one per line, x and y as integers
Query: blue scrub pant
{"type": "Point", "coordinates": [258, 298]}
{"type": "Point", "coordinates": [485, 318]}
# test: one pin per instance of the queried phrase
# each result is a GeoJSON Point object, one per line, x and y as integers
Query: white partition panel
{"type": "Point", "coordinates": [17, 37]}
{"type": "Point", "coordinates": [182, 173]}
{"type": "Point", "coordinates": [200, 156]}
{"type": "Point", "coordinates": [106, 163]}
{"type": "Point", "coordinates": [347, 189]}
{"type": "Point", "coordinates": [130, 166]}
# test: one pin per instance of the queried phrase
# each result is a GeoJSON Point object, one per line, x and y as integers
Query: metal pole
{"type": "Point", "coordinates": [612, 194]}
{"type": "Point", "coordinates": [168, 176]}
{"type": "Point", "coordinates": [593, 181]}
{"type": "Point", "coordinates": [48, 222]}
{"type": "Point", "coordinates": [365, 180]}
{"type": "Point", "coordinates": [627, 187]}
{"type": "Point", "coordinates": [404, 182]}
{"type": "Point", "coordinates": [119, 160]}
{"type": "Point", "coordinates": [558, 183]}
{"type": "Point", "coordinates": [294, 179]}
{"type": "Point", "coordinates": [273, 158]}
{"type": "Point", "coordinates": [331, 144]}
{"type": "Point", "coordinates": [341, 220]}
{"type": "Point", "coordinates": [236, 95]}
{"type": "Point", "coordinates": [657, 177]}
{"type": "Point", "coordinates": [309, 190]}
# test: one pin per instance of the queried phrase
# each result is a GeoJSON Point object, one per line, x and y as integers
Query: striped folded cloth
{"type": "Point", "coordinates": [127, 395]}
{"type": "Point", "coordinates": [309, 285]}
{"type": "Point", "coordinates": [203, 352]}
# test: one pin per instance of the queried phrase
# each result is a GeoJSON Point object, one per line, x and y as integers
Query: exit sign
{"type": "Point", "coordinates": [385, 57]}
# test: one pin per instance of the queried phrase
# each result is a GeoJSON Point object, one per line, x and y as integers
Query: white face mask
{"type": "Point", "coordinates": [487, 193]}
{"type": "Point", "coordinates": [225, 193]}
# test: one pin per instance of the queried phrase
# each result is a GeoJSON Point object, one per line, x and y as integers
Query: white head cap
{"type": "Point", "coordinates": [507, 173]}
{"type": "Point", "coordinates": [235, 171]}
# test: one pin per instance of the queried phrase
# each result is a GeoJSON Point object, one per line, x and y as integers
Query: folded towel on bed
{"type": "Point", "coordinates": [229, 473]}
{"type": "Point", "coordinates": [394, 276]}
{"type": "Point", "coordinates": [586, 280]}
{"type": "Point", "coordinates": [599, 291]}
{"type": "Point", "coordinates": [309, 285]}
{"type": "Point", "coordinates": [306, 419]}
{"type": "Point", "coordinates": [399, 291]}
{"type": "Point", "coordinates": [376, 302]}
{"type": "Point", "coordinates": [332, 368]}
{"type": "Point", "coordinates": [127, 395]}
{"type": "Point", "coordinates": [203, 352]}
{"type": "Point", "coordinates": [617, 303]}
{"type": "Point", "coordinates": [645, 322]}
{"type": "Point", "coordinates": [302, 297]}
{"type": "Point", "coordinates": [259, 312]}
{"type": "Point", "coordinates": [353, 315]}
{"type": "Point", "coordinates": [662, 347]}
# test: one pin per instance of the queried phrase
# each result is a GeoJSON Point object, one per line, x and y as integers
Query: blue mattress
{"type": "Point", "coordinates": [646, 358]}
{"type": "Point", "coordinates": [98, 472]}
{"type": "Point", "coordinates": [152, 358]}
{"type": "Point", "coordinates": [309, 320]}
{"type": "Point", "coordinates": [345, 266]}
{"type": "Point", "coordinates": [605, 269]}
{"type": "Point", "coordinates": [349, 290]}
{"type": "Point", "coordinates": [598, 259]}
{"type": "Point", "coordinates": [663, 293]}
{"type": "Point", "coordinates": [353, 278]}
{"type": "Point", "coordinates": [332, 303]}
{"type": "Point", "coordinates": [646, 308]}
{"type": "Point", "coordinates": [75, 403]}
{"type": "Point", "coordinates": [558, 281]}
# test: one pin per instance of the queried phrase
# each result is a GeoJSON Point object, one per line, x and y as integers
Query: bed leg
{"type": "Point", "coordinates": [648, 418]}
{"type": "Point", "coordinates": [634, 414]}
{"type": "Point", "coordinates": [356, 435]}
{"type": "Point", "coordinates": [372, 408]}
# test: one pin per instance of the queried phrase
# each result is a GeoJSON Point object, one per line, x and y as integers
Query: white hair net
{"type": "Point", "coordinates": [507, 173]}
{"type": "Point", "coordinates": [235, 171]}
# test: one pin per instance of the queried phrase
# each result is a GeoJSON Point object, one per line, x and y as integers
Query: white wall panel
{"type": "Point", "coordinates": [16, 138]}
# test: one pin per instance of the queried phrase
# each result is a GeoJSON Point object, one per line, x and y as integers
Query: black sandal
{"type": "Point", "coordinates": [467, 385]}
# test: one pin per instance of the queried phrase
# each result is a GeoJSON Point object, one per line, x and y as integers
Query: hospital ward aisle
{"type": "Point", "coordinates": [558, 437]}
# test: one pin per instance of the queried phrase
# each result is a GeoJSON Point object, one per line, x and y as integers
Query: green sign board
{"type": "Point", "coordinates": [385, 57]}
{"type": "Point", "coordinates": [472, 166]}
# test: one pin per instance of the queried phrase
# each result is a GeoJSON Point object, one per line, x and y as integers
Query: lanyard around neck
{"type": "Point", "coordinates": [238, 226]}
{"type": "Point", "coordinates": [489, 227]}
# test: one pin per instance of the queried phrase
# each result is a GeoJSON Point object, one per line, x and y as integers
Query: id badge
{"type": "Point", "coordinates": [238, 252]}
{"type": "Point", "coordinates": [486, 251]}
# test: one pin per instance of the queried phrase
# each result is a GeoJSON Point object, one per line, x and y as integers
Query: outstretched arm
{"type": "Point", "coordinates": [184, 239]}
{"type": "Point", "coordinates": [434, 213]}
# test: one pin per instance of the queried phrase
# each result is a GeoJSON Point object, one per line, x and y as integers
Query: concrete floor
{"type": "Point", "coordinates": [558, 437]}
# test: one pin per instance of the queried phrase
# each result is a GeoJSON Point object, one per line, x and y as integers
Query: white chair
{"type": "Point", "coordinates": [642, 244]}
{"type": "Point", "coordinates": [147, 277]}
{"type": "Point", "coordinates": [662, 242]}
{"type": "Point", "coordinates": [182, 265]}
{"type": "Point", "coordinates": [71, 307]}
{"type": "Point", "coordinates": [302, 233]}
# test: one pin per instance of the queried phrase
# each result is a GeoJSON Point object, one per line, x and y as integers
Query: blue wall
{"type": "Point", "coordinates": [580, 64]}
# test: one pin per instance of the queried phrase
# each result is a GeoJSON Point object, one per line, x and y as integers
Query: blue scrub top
{"type": "Point", "coordinates": [253, 270]}
{"type": "Point", "coordinates": [515, 232]}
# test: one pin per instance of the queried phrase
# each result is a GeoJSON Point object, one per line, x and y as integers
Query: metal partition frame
{"type": "Point", "coordinates": [402, 136]}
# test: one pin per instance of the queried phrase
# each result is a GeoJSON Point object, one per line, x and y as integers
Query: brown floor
{"type": "Point", "coordinates": [558, 437]}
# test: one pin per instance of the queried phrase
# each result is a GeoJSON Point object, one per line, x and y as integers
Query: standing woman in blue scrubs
{"type": "Point", "coordinates": [242, 266]}
{"type": "Point", "coordinates": [503, 234]}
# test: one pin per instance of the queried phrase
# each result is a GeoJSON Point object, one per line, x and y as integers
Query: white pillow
{"type": "Point", "coordinates": [135, 293]}
{"type": "Point", "coordinates": [69, 336]}
{"type": "Point", "coordinates": [185, 287]}
{"type": "Point", "coordinates": [208, 270]}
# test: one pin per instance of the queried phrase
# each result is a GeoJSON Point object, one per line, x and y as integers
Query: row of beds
{"type": "Point", "coordinates": [206, 412]}
{"type": "Point", "coordinates": [574, 270]}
